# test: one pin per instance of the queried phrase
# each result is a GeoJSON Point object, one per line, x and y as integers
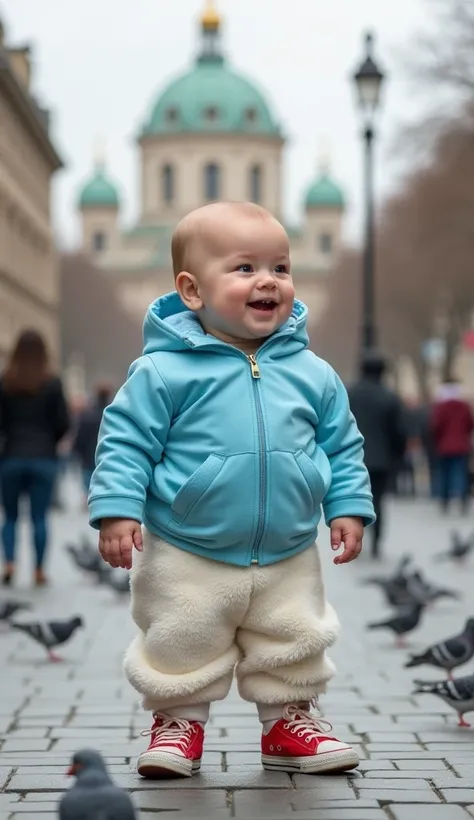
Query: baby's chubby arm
{"type": "Point", "coordinates": [348, 503]}
{"type": "Point", "coordinates": [132, 438]}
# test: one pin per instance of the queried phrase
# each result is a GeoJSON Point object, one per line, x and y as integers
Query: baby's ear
{"type": "Point", "coordinates": [188, 289]}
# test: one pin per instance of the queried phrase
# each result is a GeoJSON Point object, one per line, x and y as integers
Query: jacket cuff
{"type": "Point", "coordinates": [350, 506]}
{"type": "Point", "coordinates": [115, 506]}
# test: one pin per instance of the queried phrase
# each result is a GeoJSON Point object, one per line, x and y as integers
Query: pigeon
{"type": "Point", "coordinates": [50, 634]}
{"type": "Point", "coordinates": [94, 795]}
{"type": "Point", "coordinates": [460, 548]}
{"type": "Point", "coordinates": [404, 620]}
{"type": "Point", "coordinates": [85, 557]}
{"type": "Point", "coordinates": [422, 590]}
{"type": "Point", "coordinates": [118, 580]}
{"type": "Point", "coordinates": [396, 591]}
{"type": "Point", "coordinates": [10, 608]}
{"type": "Point", "coordinates": [459, 694]}
{"type": "Point", "coordinates": [448, 654]}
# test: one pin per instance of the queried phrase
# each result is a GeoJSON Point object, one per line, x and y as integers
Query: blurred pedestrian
{"type": "Point", "coordinates": [33, 420]}
{"type": "Point", "coordinates": [379, 414]}
{"type": "Point", "coordinates": [85, 442]}
{"type": "Point", "coordinates": [452, 425]}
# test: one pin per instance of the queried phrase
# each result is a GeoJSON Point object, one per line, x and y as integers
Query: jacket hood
{"type": "Point", "coordinates": [170, 326]}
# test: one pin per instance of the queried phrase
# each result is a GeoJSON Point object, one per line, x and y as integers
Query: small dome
{"type": "Point", "coordinates": [99, 191]}
{"type": "Point", "coordinates": [324, 193]}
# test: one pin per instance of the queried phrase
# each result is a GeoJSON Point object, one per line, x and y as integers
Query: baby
{"type": "Point", "coordinates": [213, 462]}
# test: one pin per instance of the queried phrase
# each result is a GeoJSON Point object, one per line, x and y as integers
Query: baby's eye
{"type": "Point", "coordinates": [281, 269]}
{"type": "Point", "coordinates": [245, 268]}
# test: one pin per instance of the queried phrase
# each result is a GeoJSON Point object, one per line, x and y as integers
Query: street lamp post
{"type": "Point", "coordinates": [368, 80]}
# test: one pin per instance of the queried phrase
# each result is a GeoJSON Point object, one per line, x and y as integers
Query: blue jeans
{"type": "Point", "coordinates": [452, 473]}
{"type": "Point", "coordinates": [35, 478]}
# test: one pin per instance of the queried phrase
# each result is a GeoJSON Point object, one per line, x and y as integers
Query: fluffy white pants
{"type": "Point", "coordinates": [201, 620]}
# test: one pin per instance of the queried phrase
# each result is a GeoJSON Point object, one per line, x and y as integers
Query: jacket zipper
{"type": "Point", "coordinates": [255, 370]}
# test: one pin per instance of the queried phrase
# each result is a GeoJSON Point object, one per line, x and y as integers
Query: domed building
{"type": "Point", "coordinates": [211, 134]}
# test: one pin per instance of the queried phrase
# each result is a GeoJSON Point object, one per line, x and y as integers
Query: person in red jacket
{"type": "Point", "coordinates": [452, 424]}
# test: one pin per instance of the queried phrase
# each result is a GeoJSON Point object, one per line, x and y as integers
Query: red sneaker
{"type": "Point", "coordinates": [298, 743]}
{"type": "Point", "coordinates": [175, 748]}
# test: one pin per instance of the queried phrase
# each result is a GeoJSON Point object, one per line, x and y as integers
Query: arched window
{"type": "Point", "coordinates": [256, 183]}
{"type": "Point", "coordinates": [325, 243]}
{"type": "Point", "coordinates": [212, 182]}
{"type": "Point", "coordinates": [167, 184]}
{"type": "Point", "coordinates": [99, 241]}
{"type": "Point", "coordinates": [211, 113]}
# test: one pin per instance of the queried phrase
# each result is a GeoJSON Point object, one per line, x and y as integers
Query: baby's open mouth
{"type": "Point", "coordinates": [263, 304]}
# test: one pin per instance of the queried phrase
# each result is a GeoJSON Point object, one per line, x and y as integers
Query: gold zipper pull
{"type": "Point", "coordinates": [254, 366]}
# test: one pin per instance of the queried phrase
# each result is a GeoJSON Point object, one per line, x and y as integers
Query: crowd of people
{"type": "Point", "coordinates": [409, 449]}
{"type": "Point", "coordinates": [403, 441]}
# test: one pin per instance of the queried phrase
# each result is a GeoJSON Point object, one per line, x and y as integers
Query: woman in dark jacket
{"type": "Point", "coordinates": [33, 419]}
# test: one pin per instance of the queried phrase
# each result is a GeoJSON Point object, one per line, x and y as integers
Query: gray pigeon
{"type": "Point", "coordinates": [404, 620]}
{"type": "Point", "coordinates": [50, 633]}
{"type": "Point", "coordinates": [448, 654]}
{"type": "Point", "coordinates": [459, 694]}
{"type": "Point", "coordinates": [422, 590]}
{"type": "Point", "coordinates": [9, 608]}
{"type": "Point", "coordinates": [94, 795]}
{"type": "Point", "coordinates": [119, 581]}
{"type": "Point", "coordinates": [88, 559]}
{"type": "Point", "coordinates": [460, 548]}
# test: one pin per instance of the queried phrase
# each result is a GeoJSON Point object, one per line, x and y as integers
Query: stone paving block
{"type": "Point", "coordinates": [310, 799]}
{"type": "Point", "coordinates": [458, 795]}
{"type": "Point", "coordinates": [429, 813]}
{"type": "Point", "coordinates": [257, 804]}
{"type": "Point", "coordinates": [188, 801]}
{"type": "Point", "coordinates": [406, 774]}
{"type": "Point", "coordinates": [31, 809]}
{"type": "Point", "coordinates": [370, 765]}
{"type": "Point", "coordinates": [393, 747]}
{"type": "Point", "coordinates": [418, 795]}
{"type": "Point", "coordinates": [393, 783]}
{"type": "Point", "coordinates": [341, 814]}
{"type": "Point", "coordinates": [31, 733]}
{"type": "Point", "coordinates": [418, 765]}
{"type": "Point", "coordinates": [37, 745]}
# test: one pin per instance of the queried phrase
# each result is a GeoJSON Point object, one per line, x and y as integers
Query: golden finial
{"type": "Point", "coordinates": [210, 19]}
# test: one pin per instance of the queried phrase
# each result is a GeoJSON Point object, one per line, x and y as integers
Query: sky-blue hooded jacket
{"type": "Point", "coordinates": [226, 455]}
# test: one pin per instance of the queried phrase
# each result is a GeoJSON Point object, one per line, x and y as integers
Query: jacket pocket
{"type": "Point", "coordinates": [196, 485]}
{"type": "Point", "coordinates": [217, 505]}
{"type": "Point", "coordinates": [318, 478]}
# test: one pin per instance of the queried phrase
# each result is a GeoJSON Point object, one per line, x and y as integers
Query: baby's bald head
{"type": "Point", "coordinates": [204, 224]}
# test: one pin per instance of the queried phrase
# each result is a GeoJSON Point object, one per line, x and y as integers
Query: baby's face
{"type": "Point", "coordinates": [244, 278]}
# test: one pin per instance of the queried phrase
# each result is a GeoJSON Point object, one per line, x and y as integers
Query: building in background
{"type": "Point", "coordinates": [29, 269]}
{"type": "Point", "coordinates": [211, 134]}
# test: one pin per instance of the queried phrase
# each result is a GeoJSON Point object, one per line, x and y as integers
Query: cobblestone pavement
{"type": "Point", "coordinates": [415, 762]}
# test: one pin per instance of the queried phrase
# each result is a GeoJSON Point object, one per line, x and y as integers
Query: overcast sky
{"type": "Point", "coordinates": [99, 65]}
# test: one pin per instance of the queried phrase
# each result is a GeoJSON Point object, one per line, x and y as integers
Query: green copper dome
{"type": "Point", "coordinates": [211, 98]}
{"type": "Point", "coordinates": [99, 191]}
{"type": "Point", "coordinates": [324, 193]}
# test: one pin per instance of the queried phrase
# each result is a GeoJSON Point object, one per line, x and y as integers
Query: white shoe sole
{"type": "Point", "coordinates": [157, 765]}
{"type": "Point", "coordinates": [325, 762]}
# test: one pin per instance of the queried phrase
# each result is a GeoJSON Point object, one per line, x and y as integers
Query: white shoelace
{"type": "Point", "coordinates": [173, 731]}
{"type": "Point", "coordinates": [304, 724]}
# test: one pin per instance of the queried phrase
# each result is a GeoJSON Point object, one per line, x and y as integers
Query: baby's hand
{"type": "Point", "coordinates": [117, 538]}
{"type": "Point", "coordinates": [347, 531]}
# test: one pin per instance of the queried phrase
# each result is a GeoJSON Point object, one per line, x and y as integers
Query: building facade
{"type": "Point", "coordinates": [211, 134]}
{"type": "Point", "coordinates": [29, 269]}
